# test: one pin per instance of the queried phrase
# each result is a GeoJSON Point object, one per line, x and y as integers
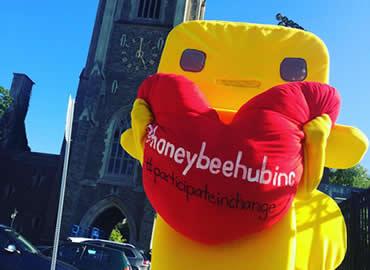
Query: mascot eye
{"type": "Point", "coordinates": [192, 60]}
{"type": "Point", "coordinates": [293, 69]}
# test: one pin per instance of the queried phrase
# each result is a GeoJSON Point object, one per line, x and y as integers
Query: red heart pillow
{"type": "Point", "coordinates": [215, 182]}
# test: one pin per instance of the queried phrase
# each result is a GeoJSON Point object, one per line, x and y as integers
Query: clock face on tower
{"type": "Point", "coordinates": [133, 54]}
{"type": "Point", "coordinates": [138, 53]}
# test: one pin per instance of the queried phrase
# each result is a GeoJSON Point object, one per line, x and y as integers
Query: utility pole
{"type": "Point", "coordinates": [68, 138]}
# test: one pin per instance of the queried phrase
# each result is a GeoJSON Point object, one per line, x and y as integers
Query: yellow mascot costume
{"type": "Point", "coordinates": [242, 61]}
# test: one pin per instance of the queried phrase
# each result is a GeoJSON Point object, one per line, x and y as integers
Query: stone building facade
{"type": "Point", "coordinates": [29, 181]}
{"type": "Point", "coordinates": [104, 183]}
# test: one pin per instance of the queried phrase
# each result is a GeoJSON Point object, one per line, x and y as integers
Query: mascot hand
{"type": "Point", "coordinates": [316, 132]}
{"type": "Point", "coordinates": [132, 140]}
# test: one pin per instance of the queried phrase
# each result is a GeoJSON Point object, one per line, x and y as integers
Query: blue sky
{"type": "Point", "coordinates": [48, 40]}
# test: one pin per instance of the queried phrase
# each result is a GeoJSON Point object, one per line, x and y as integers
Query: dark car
{"type": "Point", "coordinates": [16, 253]}
{"type": "Point", "coordinates": [136, 258]}
{"type": "Point", "coordinates": [91, 257]}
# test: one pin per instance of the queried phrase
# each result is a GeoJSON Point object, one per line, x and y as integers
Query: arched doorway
{"type": "Point", "coordinates": [112, 219]}
{"type": "Point", "coordinates": [108, 215]}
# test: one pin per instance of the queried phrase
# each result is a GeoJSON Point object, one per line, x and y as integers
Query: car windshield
{"type": "Point", "coordinates": [128, 252]}
{"type": "Point", "coordinates": [21, 241]}
{"type": "Point", "coordinates": [95, 258]}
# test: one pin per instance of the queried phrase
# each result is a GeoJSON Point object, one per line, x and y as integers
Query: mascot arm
{"type": "Point", "coordinates": [132, 140]}
{"type": "Point", "coordinates": [346, 147]}
{"type": "Point", "coordinates": [316, 135]}
{"type": "Point", "coordinates": [316, 213]}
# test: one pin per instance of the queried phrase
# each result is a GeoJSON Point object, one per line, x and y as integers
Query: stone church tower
{"type": "Point", "coordinates": [104, 183]}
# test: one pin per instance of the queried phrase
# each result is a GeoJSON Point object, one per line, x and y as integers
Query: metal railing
{"type": "Point", "coordinates": [356, 212]}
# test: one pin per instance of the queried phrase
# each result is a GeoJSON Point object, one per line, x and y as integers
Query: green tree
{"type": "Point", "coordinates": [5, 100]}
{"type": "Point", "coordinates": [116, 236]}
{"type": "Point", "coordinates": [355, 177]}
{"type": "Point", "coordinates": [118, 233]}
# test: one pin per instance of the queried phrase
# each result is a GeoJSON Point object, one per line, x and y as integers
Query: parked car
{"type": "Point", "coordinates": [16, 253]}
{"type": "Point", "coordinates": [148, 255]}
{"type": "Point", "coordinates": [77, 239]}
{"type": "Point", "coordinates": [136, 258]}
{"type": "Point", "coordinates": [42, 247]}
{"type": "Point", "coordinates": [86, 256]}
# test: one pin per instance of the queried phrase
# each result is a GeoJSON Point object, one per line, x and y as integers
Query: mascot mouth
{"type": "Point", "coordinates": [199, 171]}
{"type": "Point", "coordinates": [239, 83]}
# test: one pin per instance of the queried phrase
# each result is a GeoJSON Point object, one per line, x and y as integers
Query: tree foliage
{"type": "Point", "coordinates": [116, 236]}
{"type": "Point", "coordinates": [5, 100]}
{"type": "Point", "coordinates": [119, 233]}
{"type": "Point", "coordinates": [355, 177]}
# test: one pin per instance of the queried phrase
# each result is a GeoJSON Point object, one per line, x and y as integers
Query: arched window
{"type": "Point", "coordinates": [149, 9]}
{"type": "Point", "coordinates": [120, 163]}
